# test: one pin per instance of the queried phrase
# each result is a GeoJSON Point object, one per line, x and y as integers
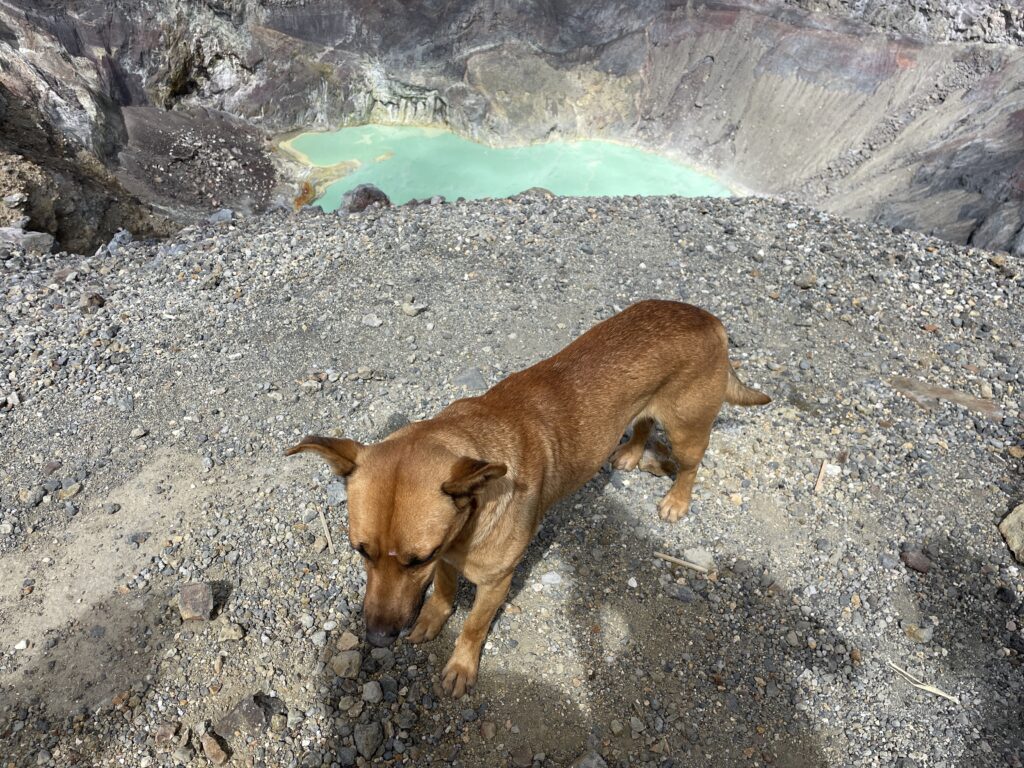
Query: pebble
{"type": "Point", "coordinates": [368, 737]}
{"type": "Point", "coordinates": [372, 692]}
{"type": "Point", "coordinates": [195, 602]}
{"type": "Point", "coordinates": [372, 320]}
{"type": "Point", "coordinates": [919, 634]}
{"type": "Point", "coordinates": [589, 760]}
{"type": "Point", "coordinates": [229, 632]}
{"type": "Point", "coordinates": [213, 749]}
{"type": "Point", "coordinates": [412, 309]}
{"type": "Point", "coordinates": [1012, 529]}
{"type": "Point", "coordinates": [700, 557]}
{"type": "Point", "coordinates": [346, 664]}
{"type": "Point", "coordinates": [805, 280]}
{"type": "Point", "coordinates": [680, 592]}
{"type": "Point", "coordinates": [916, 560]}
{"type": "Point", "coordinates": [347, 641]}
{"type": "Point", "coordinates": [470, 380]}
{"type": "Point", "coordinates": [337, 493]}
{"type": "Point", "coordinates": [522, 756]}
{"type": "Point", "coordinates": [551, 578]}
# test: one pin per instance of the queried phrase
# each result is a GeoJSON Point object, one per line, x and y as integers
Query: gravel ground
{"type": "Point", "coordinates": [150, 393]}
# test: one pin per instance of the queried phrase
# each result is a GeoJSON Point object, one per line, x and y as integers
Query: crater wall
{"type": "Point", "coordinates": [905, 116]}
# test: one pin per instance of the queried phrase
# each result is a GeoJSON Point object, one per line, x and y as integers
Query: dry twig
{"type": "Point", "coordinates": [679, 561]}
{"type": "Point", "coordinates": [821, 476]}
{"type": "Point", "coordinates": [327, 532]}
{"type": "Point", "coordinates": [922, 685]}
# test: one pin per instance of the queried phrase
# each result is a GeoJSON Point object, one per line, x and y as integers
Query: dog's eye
{"type": "Point", "coordinates": [414, 561]}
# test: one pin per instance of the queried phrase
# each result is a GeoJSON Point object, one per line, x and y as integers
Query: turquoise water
{"type": "Point", "coordinates": [408, 162]}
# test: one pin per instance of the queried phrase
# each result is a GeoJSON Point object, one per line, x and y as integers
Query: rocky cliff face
{"type": "Point", "coordinates": [847, 105]}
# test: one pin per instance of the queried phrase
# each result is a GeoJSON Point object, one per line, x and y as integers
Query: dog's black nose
{"type": "Point", "coordinates": [380, 638]}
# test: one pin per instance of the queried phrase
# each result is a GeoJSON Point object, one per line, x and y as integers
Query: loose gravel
{"type": "Point", "coordinates": [148, 392]}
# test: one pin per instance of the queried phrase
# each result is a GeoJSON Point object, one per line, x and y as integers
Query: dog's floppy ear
{"type": "Point", "coordinates": [340, 453]}
{"type": "Point", "coordinates": [468, 478]}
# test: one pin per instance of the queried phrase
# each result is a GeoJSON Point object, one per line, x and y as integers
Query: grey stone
{"type": "Point", "coordinates": [471, 380]}
{"type": "Point", "coordinates": [246, 718]}
{"type": "Point", "coordinates": [31, 242]}
{"type": "Point", "coordinates": [90, 301]}
{"type": "Point", "coordinates": [805, 280]}
{"type": "Point", "coordinates": [346, 664]}
{"type": "Point", "coordinates": [223, 216]}
{"type": "Point", "coordinates": [699, 556]}
{"type": "Point", "coordinates": [681, 593]}
{"type": "Point", "coordinates": [337, 493]}
{"type": "Point", "coordinates": [120, 239]}
{"type": "Point", "coordinates": [917, 633]}
{"type": "Point", "coordinates": [372, 692]}
{"type": "Point", "coordinates": [589, 760]}
{"type": "Point", "coordinates": [916, 560]}
{"type": "Point", "coordinates": [368, 737]}
{"type": "Point", "coordinates": [229, 631]}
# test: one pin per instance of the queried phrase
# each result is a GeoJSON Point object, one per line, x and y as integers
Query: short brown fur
{"type": "Point", "coordinates": [464, 492]}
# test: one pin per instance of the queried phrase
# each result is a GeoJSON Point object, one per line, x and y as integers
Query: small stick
{"type": "Point", "coordinates": [821, 476]}
{"type": "Point", "coordinates": [678, 561]}
{"type": "Point", "coordinates": [922, 685]}
{"type": "Point", "coordinates": [327, 532]}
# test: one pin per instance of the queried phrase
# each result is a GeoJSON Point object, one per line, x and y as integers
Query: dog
{"type": "Point", "coordinates": [465, 491]}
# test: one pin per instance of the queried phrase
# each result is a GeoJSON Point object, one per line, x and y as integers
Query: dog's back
{"type": "Point", "coordinates": [662, 360]}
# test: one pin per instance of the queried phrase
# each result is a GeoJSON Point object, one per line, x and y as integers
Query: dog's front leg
{"type": "Point", "coordinates": [460, 671]}
{"type": "Point", "coordinates": [440, 605]}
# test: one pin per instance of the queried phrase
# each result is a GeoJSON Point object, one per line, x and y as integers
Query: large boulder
{"type": "Point", "coordinates": [32, 242]}
{"type": "Point", "coordinates": [362, 197]}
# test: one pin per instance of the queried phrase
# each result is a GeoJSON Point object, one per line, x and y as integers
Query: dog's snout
{"type": "Point", "coordinates": [381, 638]}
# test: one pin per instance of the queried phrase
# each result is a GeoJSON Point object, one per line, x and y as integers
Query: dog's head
{"type": "Point", "coordinates": [408, 501]}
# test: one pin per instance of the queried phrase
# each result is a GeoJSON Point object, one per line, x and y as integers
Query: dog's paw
{"type": "Point", "coordinates": [458, 677]}
{"type": "Point", "coordinates": [626, 457]}
{"type": "Point", "coordinates": [672, 508]}
{"type": "Point", "coordinates": [429, 624]}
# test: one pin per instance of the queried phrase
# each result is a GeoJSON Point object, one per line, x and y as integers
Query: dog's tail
{"type": "Point", "coordinates": [738, 393]}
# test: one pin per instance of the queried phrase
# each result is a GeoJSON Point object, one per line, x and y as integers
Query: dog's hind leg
{"type": "Point", "coordinates": [689, 441]}
{"type": "Point", "coordinates": [627, 456]}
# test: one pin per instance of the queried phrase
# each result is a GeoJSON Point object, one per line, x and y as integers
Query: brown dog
{"type": "Point", "coordinates": [464, 492]}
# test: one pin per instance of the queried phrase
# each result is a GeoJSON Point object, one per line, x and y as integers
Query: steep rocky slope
{"type": "Point", "coordinates": [849, 524]}
{"type": "Point", "coordinates": [852, 107]}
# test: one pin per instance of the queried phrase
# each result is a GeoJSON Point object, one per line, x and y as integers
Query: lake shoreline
{"type": "Point", "coordinates": [420, 162]}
